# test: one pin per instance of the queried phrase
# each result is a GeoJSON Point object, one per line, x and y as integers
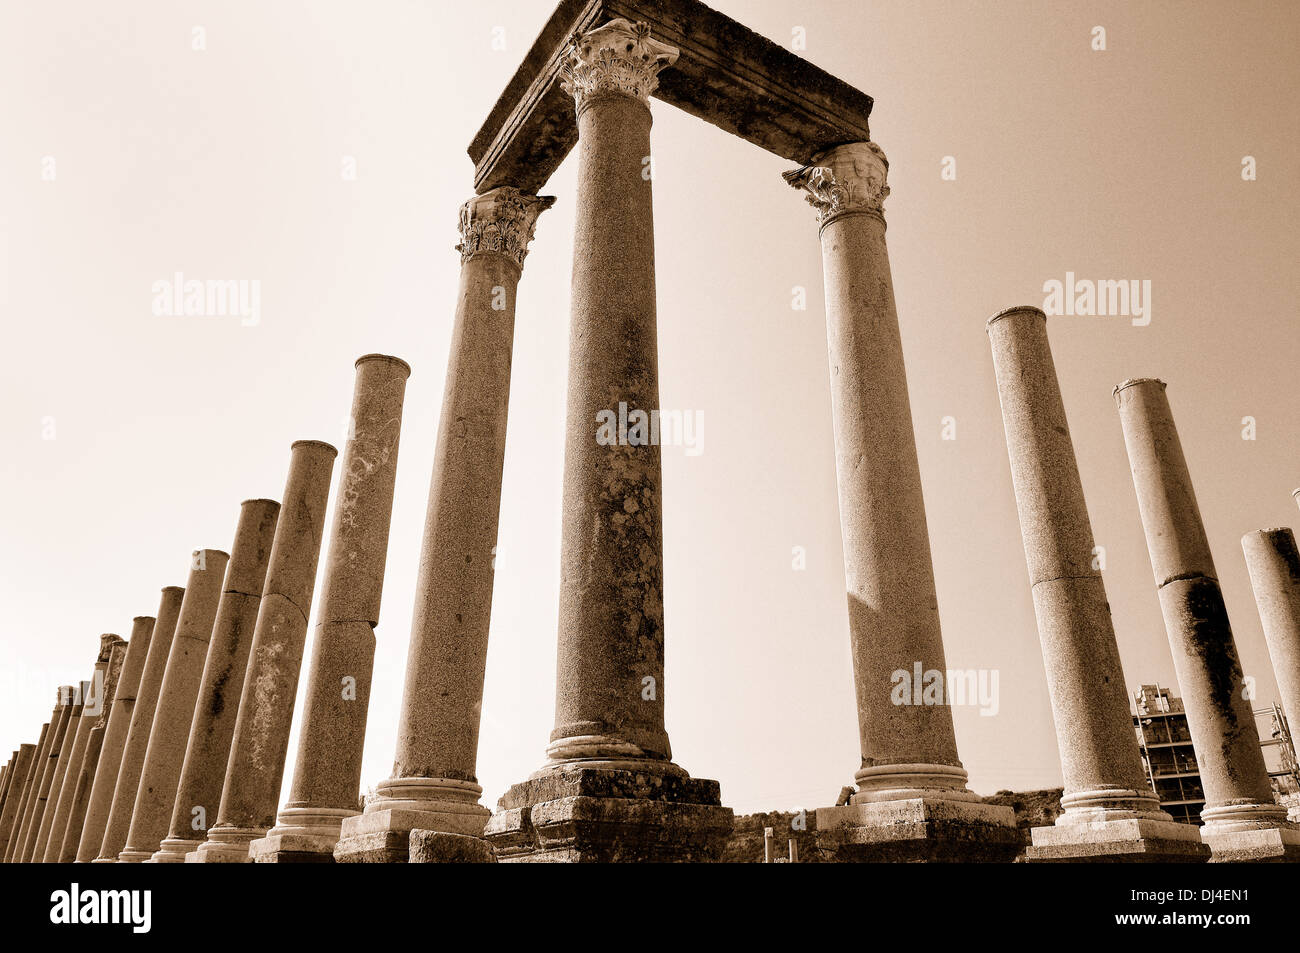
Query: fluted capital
{"type": "Point", "coordinates": [502, 221]}
{"type": "Point", "coordinates": [849, 178]}
{"type": "Point", "coordinates": [618, 57]}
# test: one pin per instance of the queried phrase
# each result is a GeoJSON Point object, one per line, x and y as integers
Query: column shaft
{"type": "Point", "coordinates": [100, 802]}
{"type": "Point", "coordinates": [433, 785]}
{"type": "Point", "coordinates": [174, 713]}
{"type": "Point", "coordinates": [327, 775]}
{"type": "Point", "coordinates": [63, 716]}
{"type": "Point", "coordinates": [257, 753]}
{"type": "Point", "coordinates": [78, 789]}
{"type": "Point", "coordinates": [118, 823]}
{"type": "Point", "coordinates": [1238, 797]}
{"type": "Point", "coordinates": [29, 786]}
{"type": "Point", "coordinates": [198, 793]}
{"type": "Point", "coordinates": [17, 779]}
{"type": "Point", "coordinates": [1274, 566]}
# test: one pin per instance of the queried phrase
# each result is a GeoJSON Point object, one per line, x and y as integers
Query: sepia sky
{"type": "Point", "coordinates": [131, 438]}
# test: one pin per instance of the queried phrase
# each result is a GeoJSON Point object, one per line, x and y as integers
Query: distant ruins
{"type": "Point", "coordinates": [183, 757]}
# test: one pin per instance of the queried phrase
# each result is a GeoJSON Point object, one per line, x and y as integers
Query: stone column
{"type": "Point", "coordinates": [1111, 813]}
{"type": "Point", "coordinates": [19, 773]}
{"type": "Point", "coordinates": [78, 788]}
{"type": "Point", "coordinates": [44, 817]}
{"type": "Point", "coordinates": [327, 777]}
{"type": "Point", "coordinates": [609, 749]}
{"type": "Point", "coordinates": [198, 794]}
{"type": "Point", "coordinates": [433, 785]}
{"type": "Point", "coordinates": [65, 711]}
{"type": "Point", "coordinates": [257, 753]}
{"type": "Point", "coordinates": [100, 802]}
{"type": "Point", "coordinates": [174, 714]}
{"type": "Point", "coordinates": [1241, 821]}
{"type": "Point", "coordinates": [1274, 566]}
{"type": "Point", "coordinates": [14, 830]}
{"type": "Point", "coordinates": [51, 839]}
{"type": "Point", "coordinates": [910, 773]}
{"type": "Point", "coordinates": [118, 823]}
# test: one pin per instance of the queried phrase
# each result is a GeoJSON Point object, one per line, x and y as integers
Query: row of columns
{"type": "Point", "coordinates": [184, 773]}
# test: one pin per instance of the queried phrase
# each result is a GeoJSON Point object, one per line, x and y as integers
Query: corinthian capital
{"type": "Point", "coordinates": [847, 178]}
{"type": "Point", "coordinates": [619, 57]}
{"type": "Point", "coordinates": [501, 220]}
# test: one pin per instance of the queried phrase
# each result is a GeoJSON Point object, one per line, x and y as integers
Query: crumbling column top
{"type": "Point", "coordinates": [396, 361]}
{"type": "Point", "coordinates": [1134, 381]}
{"type": "Point", "coordinates": [1015, 309]}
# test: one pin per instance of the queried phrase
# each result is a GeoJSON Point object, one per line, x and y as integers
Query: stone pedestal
{"type": "Point", "coordinates": [198, 794]}
{"type": "Point", "coordinates": [908, 751]}
{"type": "Point", "coordinates": [610, 790]}
{"type": "Point", "coordinates": [77, 789]}
{"type": "Point", "coordinates": [432, 785]}
{"type": "Point", "coordinates": [1241, 821]}
{"type": "Point", "coordinates": [439, 847]}
{"type": "Point", "coordinates": [174, 713]}
{"type": "Point", "coordinates": [118, 823]}
{"type": "Point", "coordinates": [1110, 811]}
{"type": "Point", "coordinates": [120, 714]}
{"type": "Point", "coordinates": [62, 716]}
{"type": "Point", "coordinates": [327, 776]}
{"type": "Point", "coordinates": [257, 753]}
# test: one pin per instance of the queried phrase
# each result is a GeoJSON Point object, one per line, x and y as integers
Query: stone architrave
{"type": "Point", "coordinates": [1240, 821]}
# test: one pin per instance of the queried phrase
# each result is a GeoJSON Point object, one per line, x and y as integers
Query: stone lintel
{"type": "Point", "coordinates": [726, 74]}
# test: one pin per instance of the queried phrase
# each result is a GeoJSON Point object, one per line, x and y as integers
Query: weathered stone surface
{"type": "Point", "coordinates": [327, 774]}
{"type": "Point", "coordinates": [116, 731]}
{"type": "Point", "coordinates": [79, 795]}
{"type": "Point", "coordinates": [746, 843]}
{"type": "Point", "coordinates": [1274, 566]}
{"type": "Point", "coordinates": [1104, 779]}
{"type": "Point", "coordinates": [50, 844]}
{"type": "Point", "coordinates": [198, 793]}
{"type": "Point", "coordinates": [118, 823]}
{"type": "Point", "coordinates": [576, 814]}
{"type": "Point", "coordinates": [19, 775]}
{"type": "Point", "coordinates": [727, 75]}
{"type": "Point", "coordinates": [437, 736]}
{"type": "Point", "coordinates": [1238, 797]}
{"type": "Point", "coordinates": [59, 722]}
{"type": "Point", "coordinates": [261, 740]}
{"type": "Point", "coordinates": [915, 830]}
{"type": "Point", "coordinates": [28, 791]}
{"type": "Point", "coordinates": [441, 847]}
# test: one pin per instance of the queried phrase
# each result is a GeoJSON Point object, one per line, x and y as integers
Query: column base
{"type": "Point", "coordinates": [382, 835]}
{"type": "Point", "coordinates": [173, 851]}
{"type": "Point", "coordinates": [1124, 840]}
{"type": "Point", "coordinates": [929, 829]}
{"type": "Point", "coordinates": [439, 847]}
{"type": "Point", "coordinates": [225, 845]}
{"type": "Point", "coordinates": [104, 860]}
{"type": "Point", "coordinates": [130, 856]}
{"type": "Point", "coordinates": [575, 812]}
{"type": "Point", "coordinates": [302, 835]}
